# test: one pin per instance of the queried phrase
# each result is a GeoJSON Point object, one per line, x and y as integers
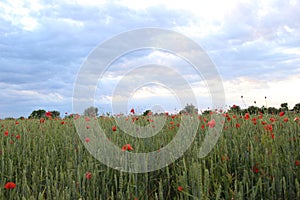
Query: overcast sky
{"type": "Point", "coordinates": [255, 46]}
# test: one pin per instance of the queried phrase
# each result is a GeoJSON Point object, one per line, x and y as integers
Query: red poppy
{"type": "Point", "coordinates": [48, 114]}
{"type": "Point", "coordinates": [10, 185]}
{"type": "Point", "coordinates": [211, 123]}
{"type": "Point", "coordinates": [272, 119]}
{"type": "Point", "coordinates": [42, 120]}
{"type": "Point", "coordinates": [263, 123]}
{"type": "Point", "coordinates": [296, 119]}
{"type": "Point", "coordinates": [202, 126]}
{"type": "Point", "coordinates": [132, 111]}
{"type": "Point", "coordinates": [114, 128]}
{"type": "Point", "coordinates": [87, 140]}
{"type": "Point", "coordinates": [237, 125]}
{"type": "Point", "coordinates": [281, 113]}
{"type": "Point", "coordinates": [268, 127]}
{"type": "Point", "coordinates": [127, 147]}
{"type": "Point", "coordinates": [16, 122]}
{"type": "Point", "coordinates": [273, 136]}
{"type": "Point", "coordinates": [88, 175]}
{"type": "Point", "coordinates": [6, 133]}
{"type": "Point", "coordinates": [247, 116]}
{"type": "Point", "coordinates": [18, 136]}
{"type": "Point", "coordinates": [297, 163]}
{"type": "Point", "coordinates": [286, 119]}
{"type": "Point", "coordinates": [180, 188]}
{"type": "Point", "coordinates": [255, 169]}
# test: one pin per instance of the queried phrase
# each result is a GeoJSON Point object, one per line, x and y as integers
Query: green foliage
{"type": "Point", "coordinates": [55, 114]}
{"type": "Point", "coordinates": [91, 111]}
{"type": "Point", "coordinates": [297, 108]}
{"type": "Point", "coordinates": [146, 112]}
{"type": "Point", "coordinates": [37, 114]}
{"type": "Point", "coordinates": [190, 109]}
{"type": "Point", "coordinates": [284, 107]}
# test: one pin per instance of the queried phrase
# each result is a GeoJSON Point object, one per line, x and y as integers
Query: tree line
{"type": "Point", "coordinates": [189, 108]}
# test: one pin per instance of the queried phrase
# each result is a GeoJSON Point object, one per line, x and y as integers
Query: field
{"type": "Point", "coordinates": [256, 157]}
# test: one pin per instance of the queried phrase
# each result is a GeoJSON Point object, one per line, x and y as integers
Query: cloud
{"type": "Point", "coordinates": [254, 45]}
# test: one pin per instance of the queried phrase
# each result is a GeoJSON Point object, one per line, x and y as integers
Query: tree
{"type": "Point", "coordinates": [146, 112]}
{"type": "Point", "coordinates": [91, 111]}
{"type": "Point", "coordinates": [55, 114]}
{"type": "Point", "coordinates": [297, 108]}
{"type": "Point", "coordinates": [190, 109]}
{"type": "Point", "coordinates": [37, 114]}
{"type": "Point", "coordinates": [284, 107]}
{"type": "Point", "coordinates": [273, 110]}
{"type": "Point", "coordinates": [252, 109]}
{"type": "Point", "coordinates": [236, 109]}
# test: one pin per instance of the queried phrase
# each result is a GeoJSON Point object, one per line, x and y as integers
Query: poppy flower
{"type": "Point", "coordinates": [281, 113]}
{"type": "Point", "coordinates": [114, 128]}
{"type": "Point", "coordinates": [237, 125]}
{"type": "Point", "coordinates": [18, 136]}
{"type": "Point", "coordinates": [272, 119]}
{"type": "Point", "coordinates": [88, 175]}
{"type": "Point", "coordinates": [180, 188]}
{"type": "Point", "coordinates": [297, 163]}
{"type": "Point", "coordinates": [10, 185]}
{"type": "Point", "coordinates": [286, 119]}
{"type": "Point", "coordinates": [211, 123]}
{"type": "Point", "coordinates": [6, 133]}
{"type": "Point", "coordinates": [48, 114]}
{"type": "Point", "coordinates": [268, 127]}
{"type": "Point", "coordinates": [42, 120]}
{"type": "Point", "coordinates": [132, 111]}
{"type": "Point", "coordinates": [127, 147]}
{"type": "Point", "coordinates": [273, 136]}
{"type": "Point", "coordinates": [255, 169]}
{"type": "Point", "coordinates": [247, 116]}
{"type": "Point", "coordinates": [87, 140]}
{"type": "Point", "coordinates": [16, 122]}
{"type": "Point", "coordinates": [296, 119]}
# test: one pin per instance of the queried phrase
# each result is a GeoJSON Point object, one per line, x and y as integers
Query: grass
{"type": "Point", "coordinates": [49, 161]}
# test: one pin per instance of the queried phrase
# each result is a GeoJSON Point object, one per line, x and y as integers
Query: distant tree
{"type": "Point", "coordinates": [297, 108]}
{"type": "Point", "coordinates": [252, 109]}
{"type": "Point", "coordinates": [91, 111]}
{"type": "Point", "coordinates": [272, 110]}
{"type": "Point", "coordinates": [146, 112]}
{"type": "Point", "coordinates": [235, 109]}
{"type": "Point", "coordinates": [55, 114]}
{"type": "Point", "coordinates": [206, 112]}
{"type": "Point", "coordinates": [284, 107]}
{"type": "Point", "coordinates": [189, 108]}
{"type": "Point", "coordinates": [36, 114]}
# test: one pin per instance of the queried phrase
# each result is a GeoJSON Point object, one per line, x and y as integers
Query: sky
{"type": "Point", "coordinates": [254, 45]}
